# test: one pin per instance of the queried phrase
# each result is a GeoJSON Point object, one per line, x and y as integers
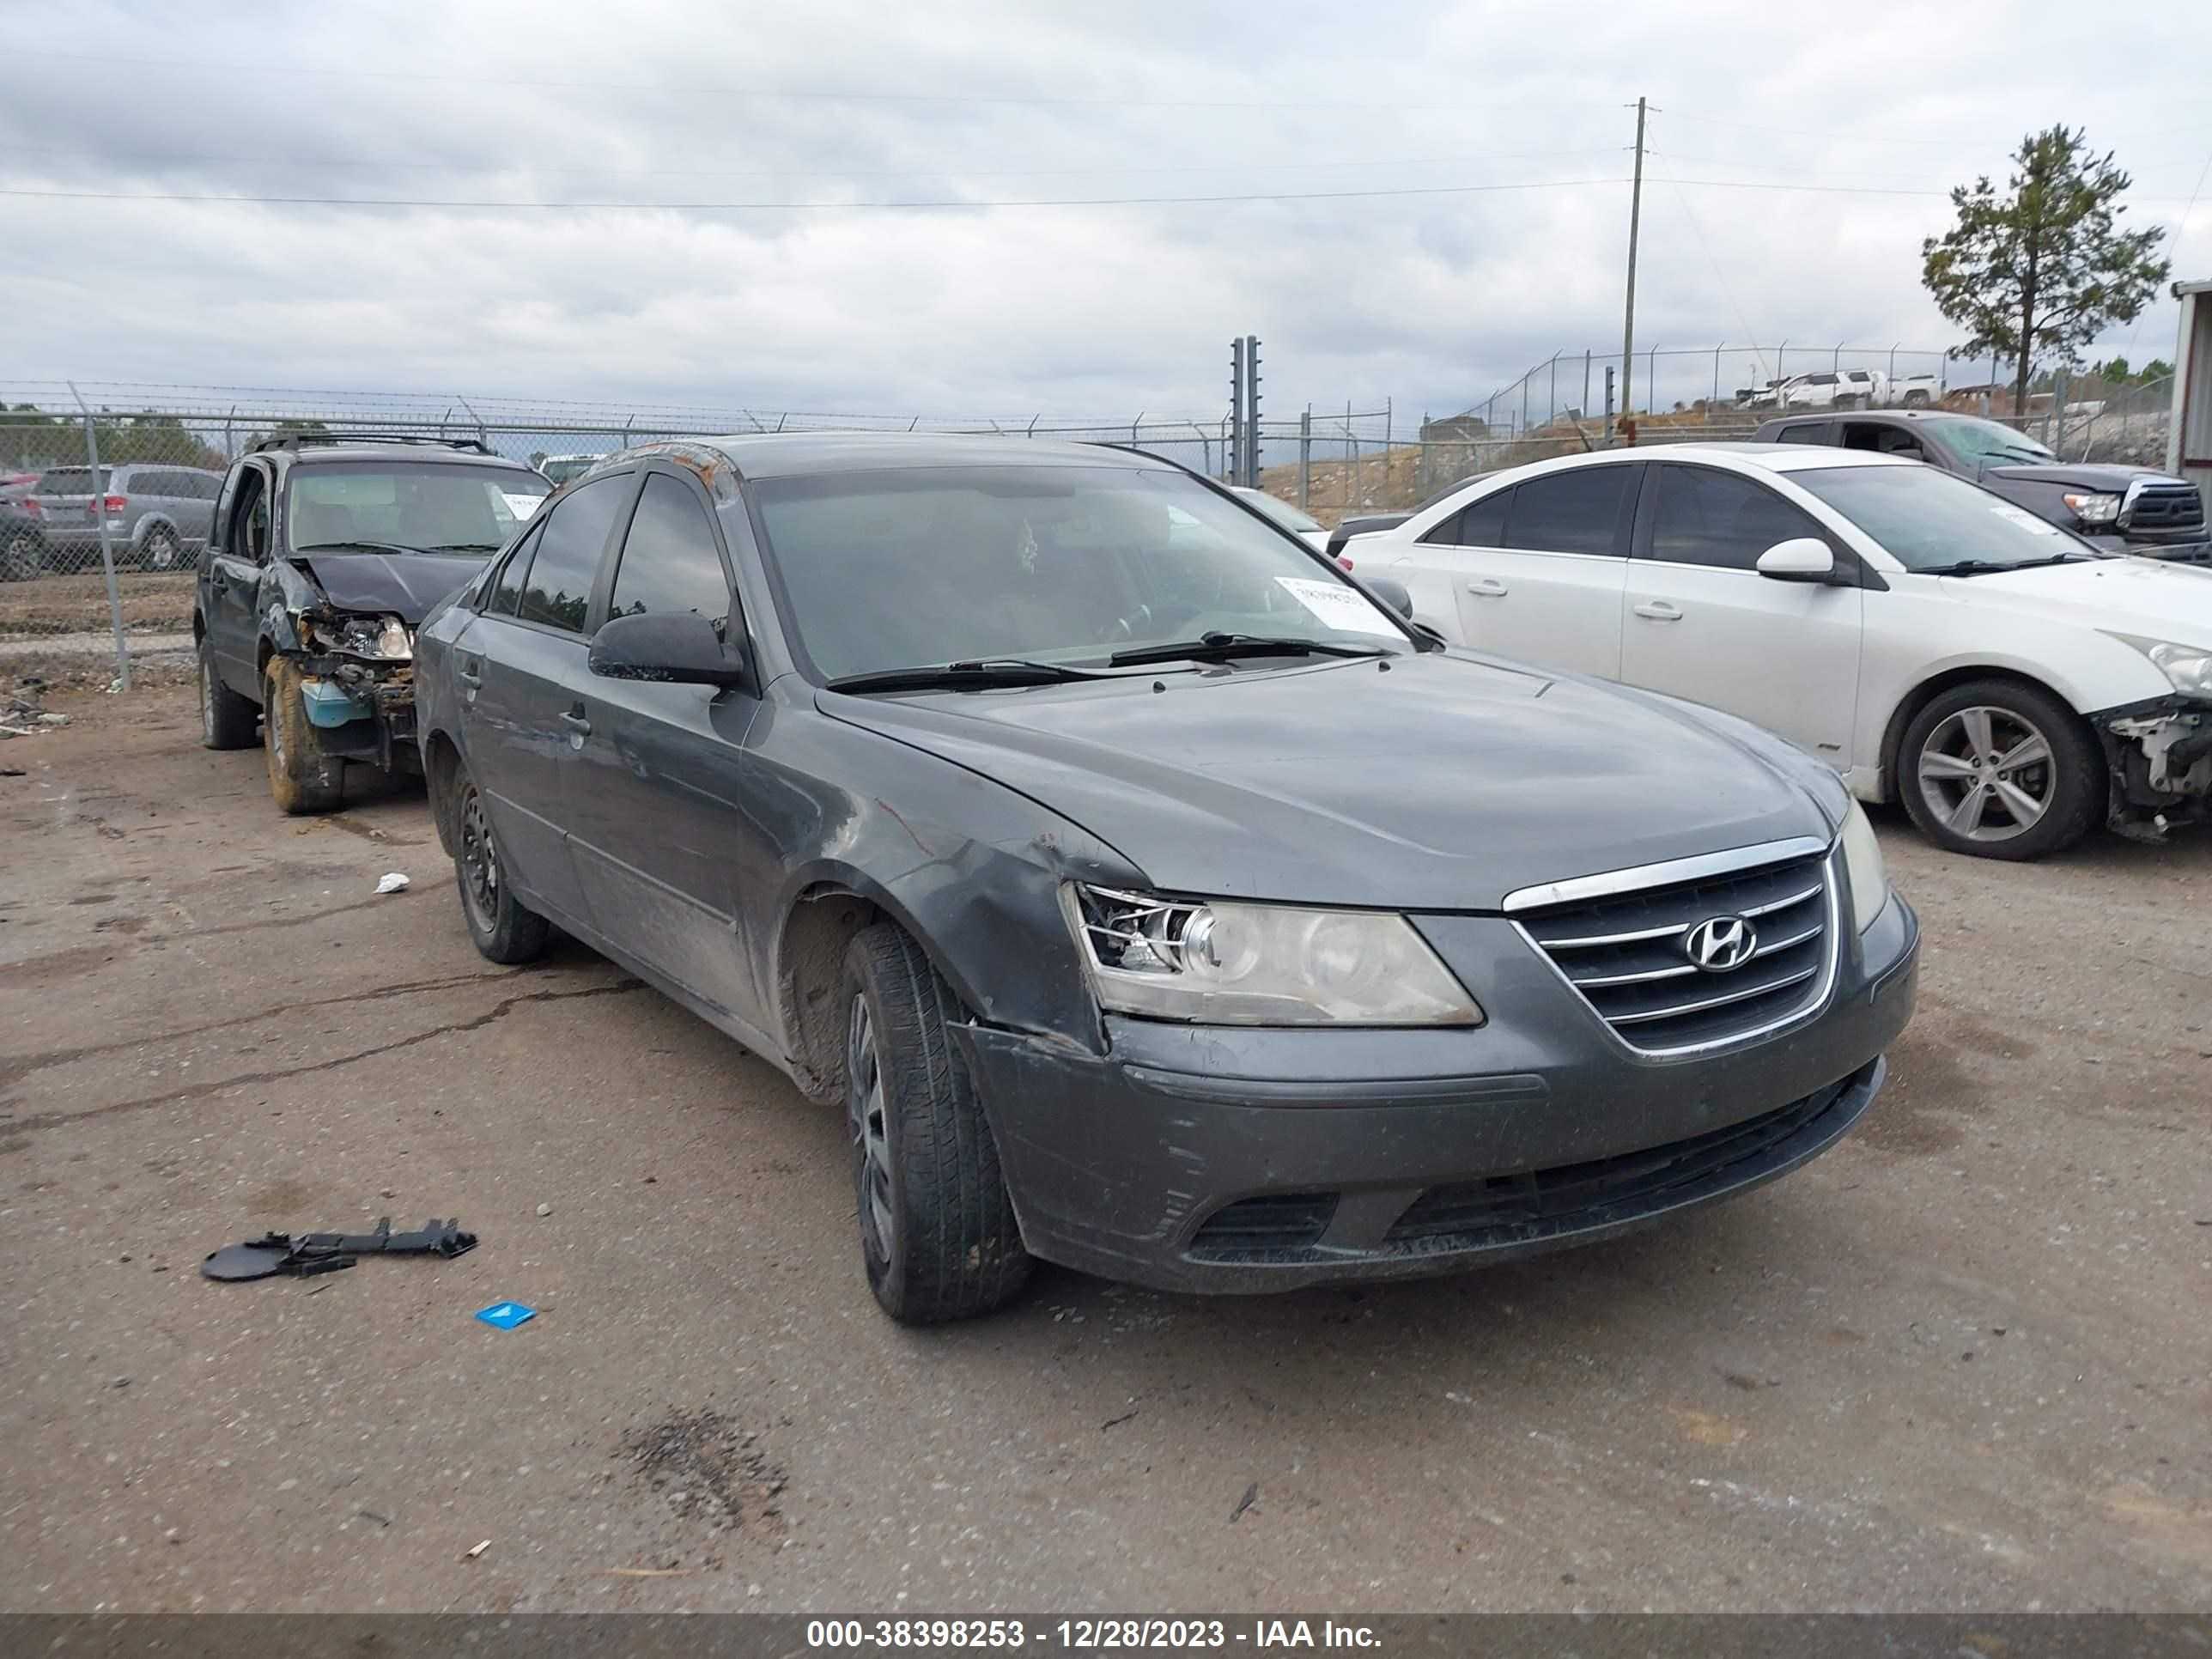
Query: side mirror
{"type": "Point", "coordinates": [680, 648]}
{"type": "Point", "coordinates": [1800, 559]}
{"type": "Point", "coordinates": [1393, 594]}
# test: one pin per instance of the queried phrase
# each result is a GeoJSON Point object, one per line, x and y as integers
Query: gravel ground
{"type": "Point", "coordinates": [1962, 1362]}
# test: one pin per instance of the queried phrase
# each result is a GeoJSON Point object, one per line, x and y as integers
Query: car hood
{"type": "Point", "coordinates": [405, 585]}
{"type": "Point", "coordinates": [1443, 783]}
{"type": "Point", "coordinates": [2144, 597]}
{"type": "Point", "coordinates": [2102, 476]}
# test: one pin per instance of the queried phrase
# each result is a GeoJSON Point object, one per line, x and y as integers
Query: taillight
{"type": "Point", "coordinates": [1345, 562]}
{"type": "Point", "coordinates": [32, 508]}
{"type": "Point", "coordinates": [114, 503]}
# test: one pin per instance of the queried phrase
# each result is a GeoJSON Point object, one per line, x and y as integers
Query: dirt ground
{"type": "Point", "coordinates": [1961, 1363]}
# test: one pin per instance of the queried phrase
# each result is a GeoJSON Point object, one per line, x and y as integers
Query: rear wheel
{"type": "Point", "coordinates": [21, 556]}
{"type": "Point", "coordinates": [1917, 398]}
{"type": "Point", "coordinates": [2001, 770]}
{"type": "Point", "coordinates": [160, 550]}
{"type": "Point", "coordinates": [503, 928]}
{"type": "Point", "coordinates": [302, 777]}
{"type": "Point", "coordinates": [937, 1233]}
{"type": "Point", "coordinates": [227, 720]}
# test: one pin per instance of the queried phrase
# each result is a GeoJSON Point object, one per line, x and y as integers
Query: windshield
{"type": "Point", "coordinates": [1925, 519]}
{"type": "Point", "coordinates": [1063, 564]}
{"type": "Point", "coordinates": [1978, 441]}
{"type": "Point", "coordinates": [432, 507]}
{"type": "Point", "coordinates": [561, 468]}
{"type": "Point", "coordinates": [1283, 512]}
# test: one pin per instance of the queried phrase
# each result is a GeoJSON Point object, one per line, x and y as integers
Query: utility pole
{"type": "Point", "coordinates": [1628, 311]}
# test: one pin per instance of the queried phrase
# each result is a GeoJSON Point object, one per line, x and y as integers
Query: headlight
{"type": "Point", "coordinates": [380, 639]}
{"type": "Point", "coordinates": [1215, 962]}
{"type": "Point", "coordinates": [2094, 509]}
{"type": "Point", "coordinates": [1863, 868]}
{"type": "Point", "coordinates": [2186, 667]}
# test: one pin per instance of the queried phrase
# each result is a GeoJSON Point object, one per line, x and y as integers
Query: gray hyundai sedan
{"type": "Point", "coordinates": [1150, 896]}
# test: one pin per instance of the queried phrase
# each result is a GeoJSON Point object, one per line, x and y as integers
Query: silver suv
{"type": "Point", "coordinates": [157, 516]}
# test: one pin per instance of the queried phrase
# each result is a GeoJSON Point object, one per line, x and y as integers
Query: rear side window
{"type": "Point", "coordinates": [1810, 432]}
{"type": "Point", "coordinates": [1478, 524]}
{"type": "Point", "coordinates": [557, 588]}
{"type": "Point", "coordinates": [669, 560]}
{"type": "Point", "coordinates": [1705, 516]}
{"type": "Point", "coordinates": [1573, 512]}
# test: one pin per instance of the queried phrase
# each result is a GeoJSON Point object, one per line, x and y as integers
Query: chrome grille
{"type": "Point", "coordinates": [1626, 953]}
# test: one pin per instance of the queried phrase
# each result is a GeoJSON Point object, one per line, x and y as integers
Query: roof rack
{"type": "Point", "coordinates": [306, 440]}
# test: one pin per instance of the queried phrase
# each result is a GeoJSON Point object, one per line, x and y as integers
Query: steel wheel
{"type": "Point", "coordinates": [1986, 773]}
{"type": "Point", "coordinates": [868, 1119]}
{"type": "Point", "coordinates": [207, 702]}
{"type": "Point", "coordinates": [479, 865]}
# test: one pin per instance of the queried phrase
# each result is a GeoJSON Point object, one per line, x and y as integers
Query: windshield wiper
{"type": "Point", "coordinates": [1986, 566]}
{"type": "Point", "coordinates": [373, 547]}
{"type": "Point", "coordinates": [464, 547]}
{"type": "Point", "coordinates": [964, 676]}
{"type": "Point", "coordinates": [1218, 647]}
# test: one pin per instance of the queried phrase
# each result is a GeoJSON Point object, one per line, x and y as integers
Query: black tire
{"type": "Point", "coordinates": [937, 1233]}
{"type": "Point", "coordinates": [302, 779]}
{"type": "Point", "coordinates": [227, 720]}
{"type": "Point", "coordinates": [22, 556]}
{"type": "Point", "coordinates": [500, 926]}
{"type": "Point", "coordinates": [1946, 784]}
{"type": "Point", "coordinates": [161, 550]}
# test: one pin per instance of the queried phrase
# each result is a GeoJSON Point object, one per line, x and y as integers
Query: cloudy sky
{"type": "Point", "coordinates": [1405, 201]}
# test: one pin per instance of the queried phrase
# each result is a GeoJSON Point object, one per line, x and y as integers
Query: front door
{"type": "Point", "coordinates": [1699, 620]}
{"type": "Point", "coordinates": [234, 579]}
{"type": "Point", "coordinates": [660, 829]}
{"type": "Point", "coordinates": [523, 666]}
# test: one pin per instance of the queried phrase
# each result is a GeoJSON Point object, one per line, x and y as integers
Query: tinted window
{"type": "Point", "coordinates": [1478, 524]}
{"type": "Point", "coordinates": [1704, 516]}
{"type": "Point", "coordinates": [557, 590]}
{"type": "Point", "coordinates": [1820, 379]}
{"type": "Point", "coordinates": [508, 588]}
{"type": "Point", "coordinates": [1810, 432]}
{"type": "Point", "coordinates": [669, 560]}
{"type": "Point", "coordinates": [1573, 512]}
{"type": "Point", "coordinates": [249, 517]}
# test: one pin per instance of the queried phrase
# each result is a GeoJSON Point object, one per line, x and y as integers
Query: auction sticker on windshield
{"type": "Point", "coordinates": [521, 505]}
{"type": "Point", "coordinates": [1339, 606]}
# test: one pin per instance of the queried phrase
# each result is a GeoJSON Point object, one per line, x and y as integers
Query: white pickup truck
{"type": "Point", "coordinates": [1849, 388]}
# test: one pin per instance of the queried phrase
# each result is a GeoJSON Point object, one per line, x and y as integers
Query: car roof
{"type": "Point", "coordinates": [799, 454]}
{"type": "Point", "coordinates": [1772, 457]}
{"type": "Point", "coordinates": [437, 456]}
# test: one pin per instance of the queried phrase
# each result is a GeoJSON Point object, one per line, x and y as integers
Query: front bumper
{"type": "Point", "coordinates": [1215, 1159]}
{"type": "Point", "coordinates": [361, 714]}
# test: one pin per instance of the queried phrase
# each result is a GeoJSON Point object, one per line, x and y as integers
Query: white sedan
{"type": "Point", "coordinates": [1925, 637]}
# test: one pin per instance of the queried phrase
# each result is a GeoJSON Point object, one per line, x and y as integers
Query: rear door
{"type": "Point", "coordinates": [661, 831]}
{"type": "Point", "coordinates": [1538, 570]}
{"type": "Point", "coordinates": [1700, 621]}
{"type": "Point", "coordinates": [522, 665]}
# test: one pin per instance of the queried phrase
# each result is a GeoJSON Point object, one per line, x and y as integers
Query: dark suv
{"type": "Point", "coordinates": [2117, 509]}
{"type": "Point", "coordinates": [324, 554]}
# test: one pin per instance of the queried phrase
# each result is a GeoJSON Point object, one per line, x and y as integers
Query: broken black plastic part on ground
{"type": "Point", "coordinates": [323, 1252]}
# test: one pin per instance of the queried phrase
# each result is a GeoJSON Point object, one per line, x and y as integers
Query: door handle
{"type": "Point", "coordinates": [1488, 587]}
{"type": "Point", "coordinates": [468, 676]}
{"type": "Point", "coordinates": [1659, 610]}
{"type": "Point", "coordinates": [577, 721]}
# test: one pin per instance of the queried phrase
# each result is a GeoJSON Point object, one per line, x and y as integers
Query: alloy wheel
{"type": "Point", "coordinates": [867, 1109]}
{"type": "Point", "coordinates": [1987, 774]}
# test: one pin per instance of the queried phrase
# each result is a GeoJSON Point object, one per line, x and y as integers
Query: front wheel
{"type": "Point", "coordinates": [937, 1233]}
{"type": "Point", "coordinates": [302, 777]}
{"type": "Point", "coordinates": [2001, 770]}
{"type": "Point", "coordinates": [503, 929]}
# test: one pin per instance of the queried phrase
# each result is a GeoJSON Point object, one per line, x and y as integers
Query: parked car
{"type": "Point", "coordinates": [1161, 905]}
{"type": "Point", "coordinates": [23, 550]}
{"type": "Point", "coordinates": [326, 553]}
{"type": "Point", "coordinates": [1850, 388]}
{"type": "Point", "coordinates": [157, 516]}
{"type": "Point", "coordinates": [1295, 519]}
{"type": "Point", "coordinates": [559, 469]}
{"type": "Point", "coordinates": [2119, 509]}
{"type": "Point", "coordinates": [1927, 638]}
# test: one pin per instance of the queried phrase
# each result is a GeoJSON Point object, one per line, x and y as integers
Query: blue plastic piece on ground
{"type": "Point", "coordinates": [505, 1315]}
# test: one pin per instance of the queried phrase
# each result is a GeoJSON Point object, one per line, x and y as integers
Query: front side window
{"type": "Point", "coordinates": [426, 507]}
{"type": "Point", "coordinates": [1067, 564]}
{"type": "Point", "coordinates": [249, 517]}
{"type": "Point", "coordinates": [1705, 516]}
{"type": "Point", "coordinates": [669, 560]}
{"type": "Point", "coordinates": [557, 590]}
{"type": "Point", "coordinates": [1930, 520]}
{"type": "Point", "coordinates": [1573, 512]}
{"type": "Point", "coordinates": [506, 588]}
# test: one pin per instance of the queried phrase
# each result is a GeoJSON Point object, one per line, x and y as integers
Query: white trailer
{"type": "Point", "coordinates": [2189, 435]}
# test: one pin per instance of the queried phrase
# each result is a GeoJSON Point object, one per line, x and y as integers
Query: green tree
{"type": "Point", "coordinates": [2044, 269]}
